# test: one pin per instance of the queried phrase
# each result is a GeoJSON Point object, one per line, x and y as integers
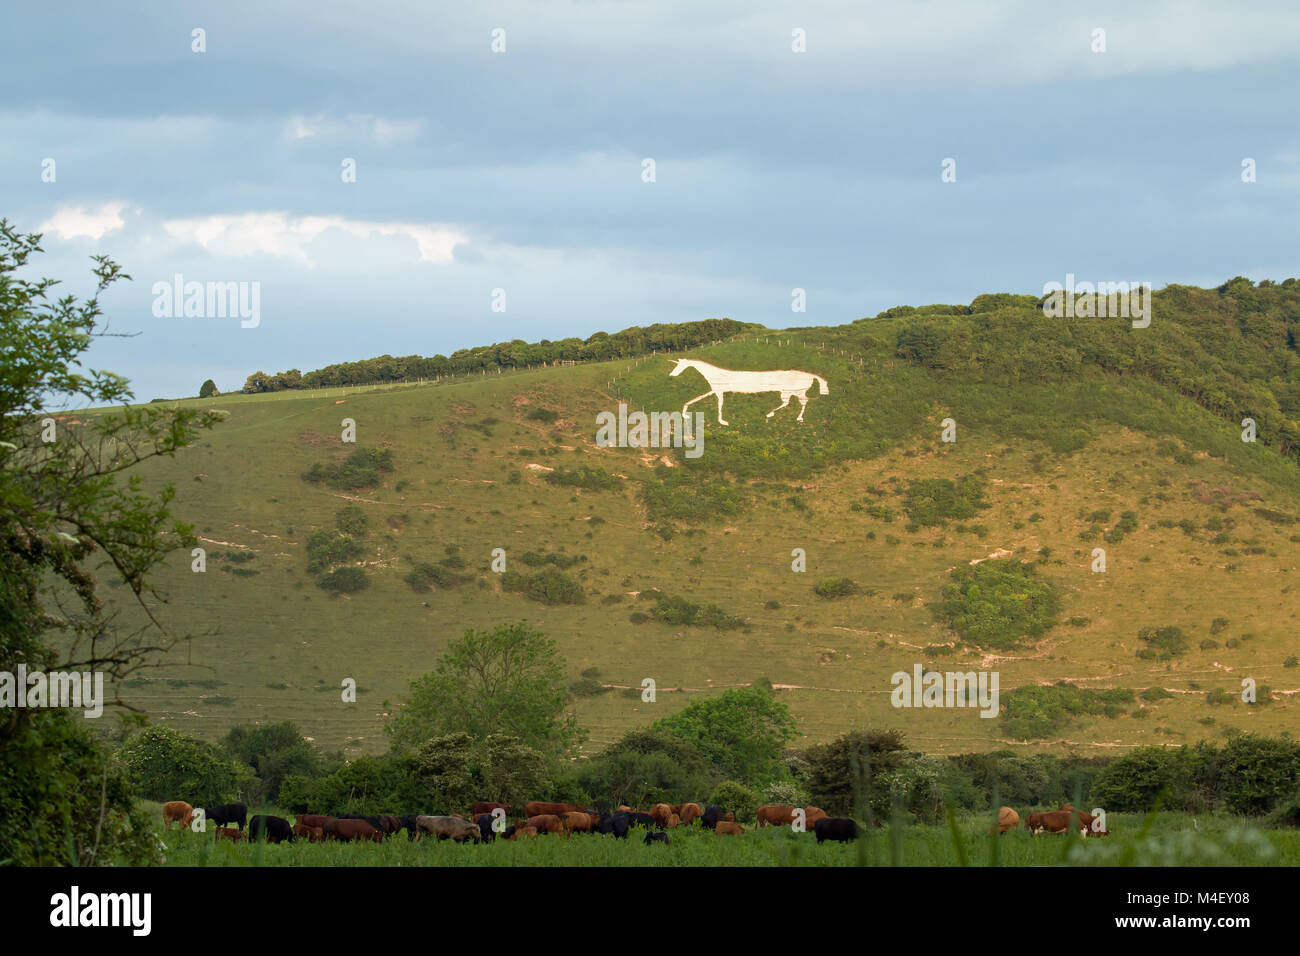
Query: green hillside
{"type": "Point", "coordinates": [1072, 434]}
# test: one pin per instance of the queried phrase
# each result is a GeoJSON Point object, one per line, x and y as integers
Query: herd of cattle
{"type": "Point", "coordinates": [487, 821]}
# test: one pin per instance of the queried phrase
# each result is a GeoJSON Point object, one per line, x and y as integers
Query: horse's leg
{"type": "Point", "coordinates": [720, 421]}
{"type": "Point", "coordinates": [785, 400]}
{"type": "Point", "coordinates": [803, 403]}
{"type": "Point", "coordinates": [696, 399]}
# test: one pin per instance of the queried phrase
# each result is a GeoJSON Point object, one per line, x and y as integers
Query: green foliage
{"type": "Point", "coordinates": [736, 798]}
{"type": "Point", "coordinates": [841, 774]}
{"type": "Point", "coordinates": [360, 469]}
{"type": "Point", "coordinates": [1033, 711]}
{"type": "Point", "coordinates": [584, 476]}
{"type": "Point", "coordinates": [933, 501]}
{"type": "Point", "coordinates": [506, 681]}
{"type": "Point", "coordinates": [742, 732]}
{"type": "Point", "coordinates": [1163, 643]}
{"type": "Point", "coordinates": [836, 588]}
{"type": "Point", "coordinates": [643, 768]}
{"type": "Point", "coordinates": [549, 586]}
{"type": "Point", "coordinates": [536, 558]}
{"type": "Point", "coordinates": [73, 512]}
{"type": "Point", "coordinates": [350, 519]}
{"type": "Point", "coordinates": [344, 581]}
{"type": "Point", "coordinates": [679, 496]}
{"type": "Point", "coordinates": [328, 548]}
{"type": "Point", "coordinates": [673, 609]}
{"type": "Point", "coordinates": [542, 415]}
{"type": "Point", "coordinates": [998, 602]}
{"type": "Point", "coordinates": [272, 752]}
{"type": "Point", "coordinates": [164, 764]}
{"type": "Point", "coordinates": [425, 576]}
{"type": "Point", "coordinates": [208, 389]}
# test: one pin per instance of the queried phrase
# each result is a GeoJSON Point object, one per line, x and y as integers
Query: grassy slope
{"type": "Point", "coordinates": [274, 646]}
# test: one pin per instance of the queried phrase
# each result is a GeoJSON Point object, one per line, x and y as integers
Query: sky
{"type": "Point", "coordinates": [500, 153]}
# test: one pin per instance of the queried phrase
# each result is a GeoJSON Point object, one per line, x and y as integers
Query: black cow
{"type": "Point", "coordinates": [408, 824]}
{"type": "Point", "coordinates": [656, 838]}
{"type": "Point", "coordinates": [614, 823]}
{"type": "Point", "coordinates": [271, 829]}
{"type": "Point", "coordinates": [486, 833]}
{"type": "Point", "coordinates": [712, 814]}
{"type": "Point", "coordinates": [226, 814]}
{"type": "Point", "coordinates": [839, 829]}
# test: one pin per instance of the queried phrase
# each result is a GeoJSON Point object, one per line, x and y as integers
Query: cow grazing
{"type": "Point", "coordinates": [448, 828]}
{"type": "Point", "coordinates": [547, 823]}
{"type": "Point", "coordinates": [661, 812]}
{"type": "Point", "coordinates": [522, 831]}
{"type": "Point", "coordinates": [484, 806]}
{"type": "Point", "coordinates": [674, 821]}
{"type": "Point", "coordinates": [658, 837]}
{"type": "Point", "coordinates": [177, 810]}
{"type": "Point", "coordinates": [728, 828]}
{"type": "Point", "coordinates": [775, 815]}
{"type": "Point", "coordinates": [580, 822]}
{"type": "Point", "coordinates": [536, 808]}
{"type": "Point", "coordinates": [839, 829]}
{"type": "Point", "coordinates": [226, 833]}
{"type": "Point", "coordinates": [271, 829]}
{"type": "Point", "coordinates": [226, 814]}
{"type": "Point", "coordinates": [310, 834]}
{"type": "Point", "coordinates": [689, 812]}
{"type": "Point", "coordinates": [311, 819]}
{"type": "Point", "coordinates": [407, 823]}
{"type": "Point", "coordinates": [811, 815]}
{"type": "Point", "coordinates": [1008, 819]}
{"type": "Point", "coordinates": [615, 824]}
{"type": "Point", "coordinates": [712, 814]}
{"type": "Point", "coordinates": [350, 829]}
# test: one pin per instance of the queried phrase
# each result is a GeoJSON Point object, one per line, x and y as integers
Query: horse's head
{"type": "Point", "coordinates": [681, 366]}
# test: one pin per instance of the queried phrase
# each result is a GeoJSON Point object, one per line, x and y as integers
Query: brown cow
{"type": "Point", "coordinates": [1058, 821]}
{"type": "Point", "coordinates": [689, 812]}
{"type": "Point", "coordinates": [811, 815]}
{"type": "Point", "coordinates": [311, 819]}
{"type": "Point", "coordinates": [1008, 819]}
{"type": "Point", "coordinates": [484, 806]}
{"type": "Point", "coordinates": [313, 834]}
{"type": "Point", "coordinates": [580, 822]}
{"type": "Point", "coordinates": [349, 830]}
{"type": "Point", "coordinates": [523, 831]}
{"type": "Point", "coordinates": [661, 812]}
{"type": "Point", "coordinates": [775, 815]}
{"type": "Point", "coordinates": [449, 828]}
{"type": "Point", "coordinates": [674, 821]}
{"type": "Point", "coordinates": [177, 810]}
{"type": "Point", "coordinates": [536, 808]}
{"type": "Point", "coordinates": [728, 827]}
{"type": "Point", "coordinates": [230, 833]}
{"type": "Point", "coordinates": [547, 822]}
{"type": "Point", "coordinates": [625, 808]}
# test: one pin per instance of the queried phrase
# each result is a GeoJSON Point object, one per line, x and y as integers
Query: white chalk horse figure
{"type": "Point", "coordinates": [788, 382]}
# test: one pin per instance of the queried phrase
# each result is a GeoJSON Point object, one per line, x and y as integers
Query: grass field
{"type": "Point", "coordinates": [470, 465]}
{"type": "Point", "coordinates": [1172, 840]}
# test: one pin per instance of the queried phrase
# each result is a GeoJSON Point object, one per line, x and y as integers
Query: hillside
{"type": "Point", "coordinates": [1072, 434]}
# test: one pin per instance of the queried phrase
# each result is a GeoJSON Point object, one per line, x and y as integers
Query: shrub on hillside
{"type": "Point", "coordinates": [549, 586]}
{"type": "Point", "coordinates": [998, 602]}
{"type": "Point", "coordinates": [360, 469]}
{"type": "Point", "coordinates": [1163, 643]}
{"type": "Point", "coordinates": [344, 581]}
{"type": "Point", "coordinates": [673, 609]}
{"type": "Point", "coordinates": [933, 501]}
{"type": "Point", "coordinates": [328, 548]}
{"type": "Point", "coordinates": [584, 476]}
{"type": "Point", "coordinates": [831, 588]}
{"type": "Point", "coordinates": [1033, 712]}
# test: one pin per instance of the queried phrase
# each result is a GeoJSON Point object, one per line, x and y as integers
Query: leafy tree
{"type": "Point", "coordinates": [208, 389]}
{"type": "Point", "coordinates": [509, 680]}
{"type": "Point", "coordinates": [272, 752]}
{"type": "Point", "coordinates": [850, 763]}
{"type": "Point", "coordinates": [742, 732]}
{"type": "Point", "coordinates": [165, 764]}
{"type": "Point", "coordinates": [64, 516]}
{"type": "Point", "coordinates": [645, 767]}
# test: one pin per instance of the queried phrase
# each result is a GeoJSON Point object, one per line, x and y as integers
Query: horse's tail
{"type": "Point", "coordinates": [822, 382]}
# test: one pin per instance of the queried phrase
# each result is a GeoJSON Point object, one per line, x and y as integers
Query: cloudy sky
{"type": "Point", "coordinates": [522, 170]}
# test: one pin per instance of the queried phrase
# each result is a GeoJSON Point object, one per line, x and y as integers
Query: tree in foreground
{"type": "Point", "coordinates": [67, 517]}
{"type": "Point", "coordinates": [507, 681]}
